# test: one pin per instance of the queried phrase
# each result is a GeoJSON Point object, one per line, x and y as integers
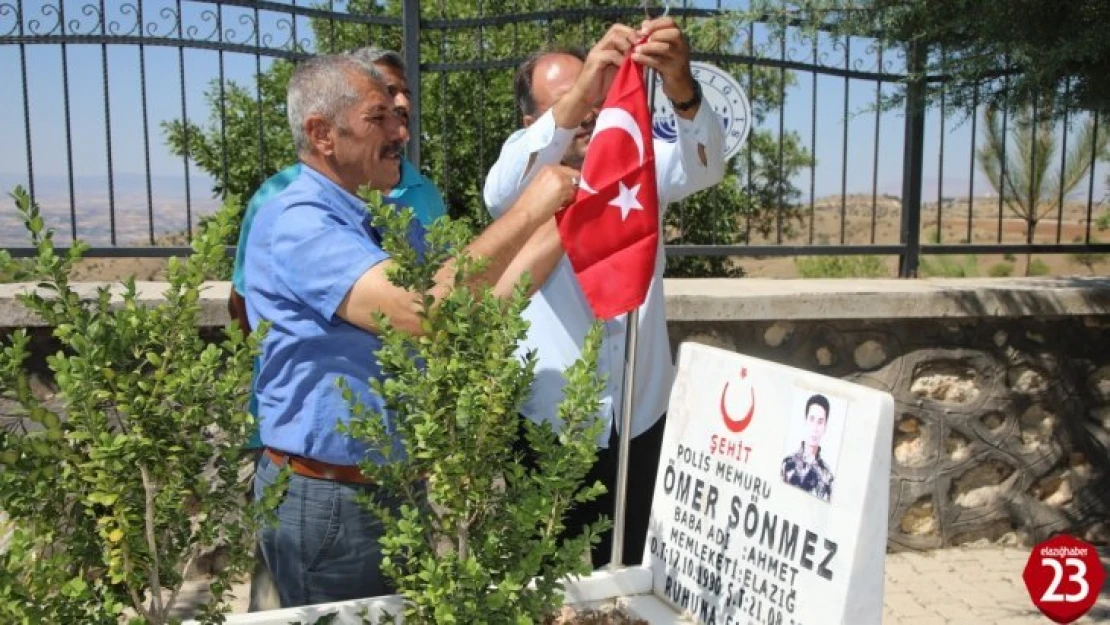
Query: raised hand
{"type": "Point", "coordinates": [667, 52]}
{"type": "Point", "coordinates": [602, 63]}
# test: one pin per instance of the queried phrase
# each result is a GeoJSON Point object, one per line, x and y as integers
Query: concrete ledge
{"type": "Point", "coordinates": [213, 301]}
{"type": "Point", "coordinates": [762, 299]}
{"type": "Point", "coordinates": [776, 300]}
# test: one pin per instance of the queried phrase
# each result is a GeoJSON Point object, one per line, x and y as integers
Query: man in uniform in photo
{"type": "Point", "coordinates": [805, 468]}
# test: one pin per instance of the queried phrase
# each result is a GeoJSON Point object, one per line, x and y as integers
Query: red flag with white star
{"type": "Point", "coordinates": [611, 230]}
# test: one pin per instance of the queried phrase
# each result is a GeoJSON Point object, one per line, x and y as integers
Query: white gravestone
{"type": "Point", "coordinates": [771, 499]}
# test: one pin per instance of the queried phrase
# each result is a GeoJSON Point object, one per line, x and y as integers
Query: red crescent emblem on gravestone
{"type": "Point", "coordinates": [740, 425]}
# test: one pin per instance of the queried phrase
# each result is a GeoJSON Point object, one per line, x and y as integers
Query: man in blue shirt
{"type": "Point", "coordinates": [315, 270]}
{"type": "Point", "coordinates": [413, 190]}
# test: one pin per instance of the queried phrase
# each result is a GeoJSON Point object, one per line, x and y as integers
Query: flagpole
{"type": "Point", "coordinates": [632, 329]}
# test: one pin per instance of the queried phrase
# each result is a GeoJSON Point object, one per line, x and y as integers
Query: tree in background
{"type": "Point", "coordinates": [466, 114]}
{"type": "Point", "coordinates": [1044, 46]}
{"type": "Point", "coordinates": [1026, 173]}
{"type": "Point", "coordinates": [757, 194]}
{"type": "Point", "coordinates": [235, 148]}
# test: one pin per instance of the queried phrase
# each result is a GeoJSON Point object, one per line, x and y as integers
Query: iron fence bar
{"type": "Point", "coordinates": [931, 79]}
{"type": "Point", "coordinates": [748, 251]}
{"type": "Point", "coordinates": [749, 146]}
{"type": "Point", "coordinates": [115, 252]}
{"type": "Point", "coordinates": [1091, 183]}
{"type": "Point", "coordinates": [971, 173]}
{"type": "Point", "coordinates": [838, 72]}
{"type": "Point", "coordinates": [770, 251]}
{"type": "Point", "coordinates": [482, 93]}
{"type": "Point", "coordinates": [1003, 159]}
{"type": "Point", "coordinates": [146, 125]}
{"type": "Point", "coordinates": [940, 161]}
{"type": "Point", "coordinates": [331, 22]}
{"type": "Point", "coordinates": [108, 124]}
{"type": "Point", "coordinates": [781, 208]}
{"type": "Point", "coordinates": [185, 119]}
{"type": "Point", "coordinates": [410, 19]}
{"type": "Point", "coordinates": [516, 30]}
{"type": "Point", "coordinates": [277, 7]}
{"type": "Point", "coordinates": [26, 106]}
{"type": "Point", "coordinates": [444, 84]}
{"type": "Point", "coordinates": [171, 42]}
{"type": "Point", "coordinates": [68, 127]}
{"type": "Point", "coordinates": [710, 57]}
{"type": "Point", "coordinates": [844, 146]}
{"type": "Point", "coordinates": [369, 34]}
{"type": "Point", "coordinates": [784, 250]}
{"type": "Point", "coordinates": [913, 162]}
{"type": "Point", "coordinates": [441, 67]}
{"type": "Point", "coordinates": [813, 148]}
{"type": "Point", "coordinates": [490, 64]}
{"type": "Point", "coordinates": [1015, 248]}
{"type": "Point", "coordinates": [585, 25]}
{"type": "Point", "coordinates": [223, 99]}
{"type": "Point", "coordinates": [1063, 165]}
{"type": "Point", "coordinates": [568, 14]}
{"type": "Point", "coordinates": [258, 99]}
{"type": "Point", "coordinates": [1034, 193]}
{"type": "Point", "coordinates": [875, 163]}
{"type": "Point", "coordinates": [546, 20]}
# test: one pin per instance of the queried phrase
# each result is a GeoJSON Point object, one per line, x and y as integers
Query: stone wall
{"type": "Point", "coordinates": [1002, 387]}
{"type": "Point", "coordinates": [1002, 422]}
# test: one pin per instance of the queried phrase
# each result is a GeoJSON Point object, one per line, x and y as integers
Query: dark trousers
{"type": "Point", "coordinates": [643, 462]}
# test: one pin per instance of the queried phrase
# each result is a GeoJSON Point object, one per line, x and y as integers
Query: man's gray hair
{"type": "Point", "coordinates": [374, 54]}
{"type": "Point", "coordinates": [322, 86]}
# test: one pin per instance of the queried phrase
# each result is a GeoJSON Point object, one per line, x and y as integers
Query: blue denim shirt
{"type": "Point", "coordinates": [306, 248]}
{"type": "Point", "coordinates": [414, 190]}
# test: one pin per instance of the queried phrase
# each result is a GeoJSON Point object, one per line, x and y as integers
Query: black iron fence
{"type": "Point", "coordinates": [128, 120]}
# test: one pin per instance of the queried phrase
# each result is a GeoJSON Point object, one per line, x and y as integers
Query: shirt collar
{"type": "Point", "coordinates": [410, 177]}
{"type": "Point", "coordinates": [344, 199]}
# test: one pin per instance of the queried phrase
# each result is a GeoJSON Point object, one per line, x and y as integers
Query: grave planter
{"type": "Point", "coordinates": [628, 589]}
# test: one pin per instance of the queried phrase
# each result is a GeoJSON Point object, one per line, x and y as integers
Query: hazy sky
{"type": "Point", "coordinates": [131, 153]}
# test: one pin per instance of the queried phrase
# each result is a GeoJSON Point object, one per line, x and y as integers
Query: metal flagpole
{"type": "Point", "coordinates": [616, 556]}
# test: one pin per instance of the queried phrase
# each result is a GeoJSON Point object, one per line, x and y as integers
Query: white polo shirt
{"type": "Point", "coordinates": [559, 314]}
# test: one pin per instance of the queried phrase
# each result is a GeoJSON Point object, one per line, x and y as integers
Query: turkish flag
{"type": "Point", "coordinates": [611, 230]}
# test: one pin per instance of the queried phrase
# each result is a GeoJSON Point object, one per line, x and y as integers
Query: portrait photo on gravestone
{"type": "Point", "coordinates": [812, 445]}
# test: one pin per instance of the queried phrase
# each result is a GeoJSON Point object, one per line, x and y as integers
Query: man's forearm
{"type": "Point", "coordinates": [571, 109]}
{"type": "Point", "coordinates": [538, 259]}
{"type": "Point", "coordinates": [375, 293]}
{"type": "Point", "coordinates": [501, 242]}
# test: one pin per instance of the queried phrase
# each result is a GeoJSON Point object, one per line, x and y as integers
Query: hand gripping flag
{"type": "Point", "coordinates": [611, 230]}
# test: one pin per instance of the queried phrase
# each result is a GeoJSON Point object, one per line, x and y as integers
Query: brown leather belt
{"type": "Point", "coordinates": [318, 470]}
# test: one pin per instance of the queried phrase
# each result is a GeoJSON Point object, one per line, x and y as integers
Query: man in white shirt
{"type": "Point", "coordinates": [559, 94]}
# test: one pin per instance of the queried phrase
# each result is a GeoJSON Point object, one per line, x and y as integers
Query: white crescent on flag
{"type": "Point", "coordinates": [621, 120]}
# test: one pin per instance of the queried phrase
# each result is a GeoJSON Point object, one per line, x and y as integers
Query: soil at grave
{"type": "Point", "coordinates": [609, 615]}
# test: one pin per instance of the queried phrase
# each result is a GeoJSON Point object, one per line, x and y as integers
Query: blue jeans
{"type": "Point", "coordinates": [325, 545]}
